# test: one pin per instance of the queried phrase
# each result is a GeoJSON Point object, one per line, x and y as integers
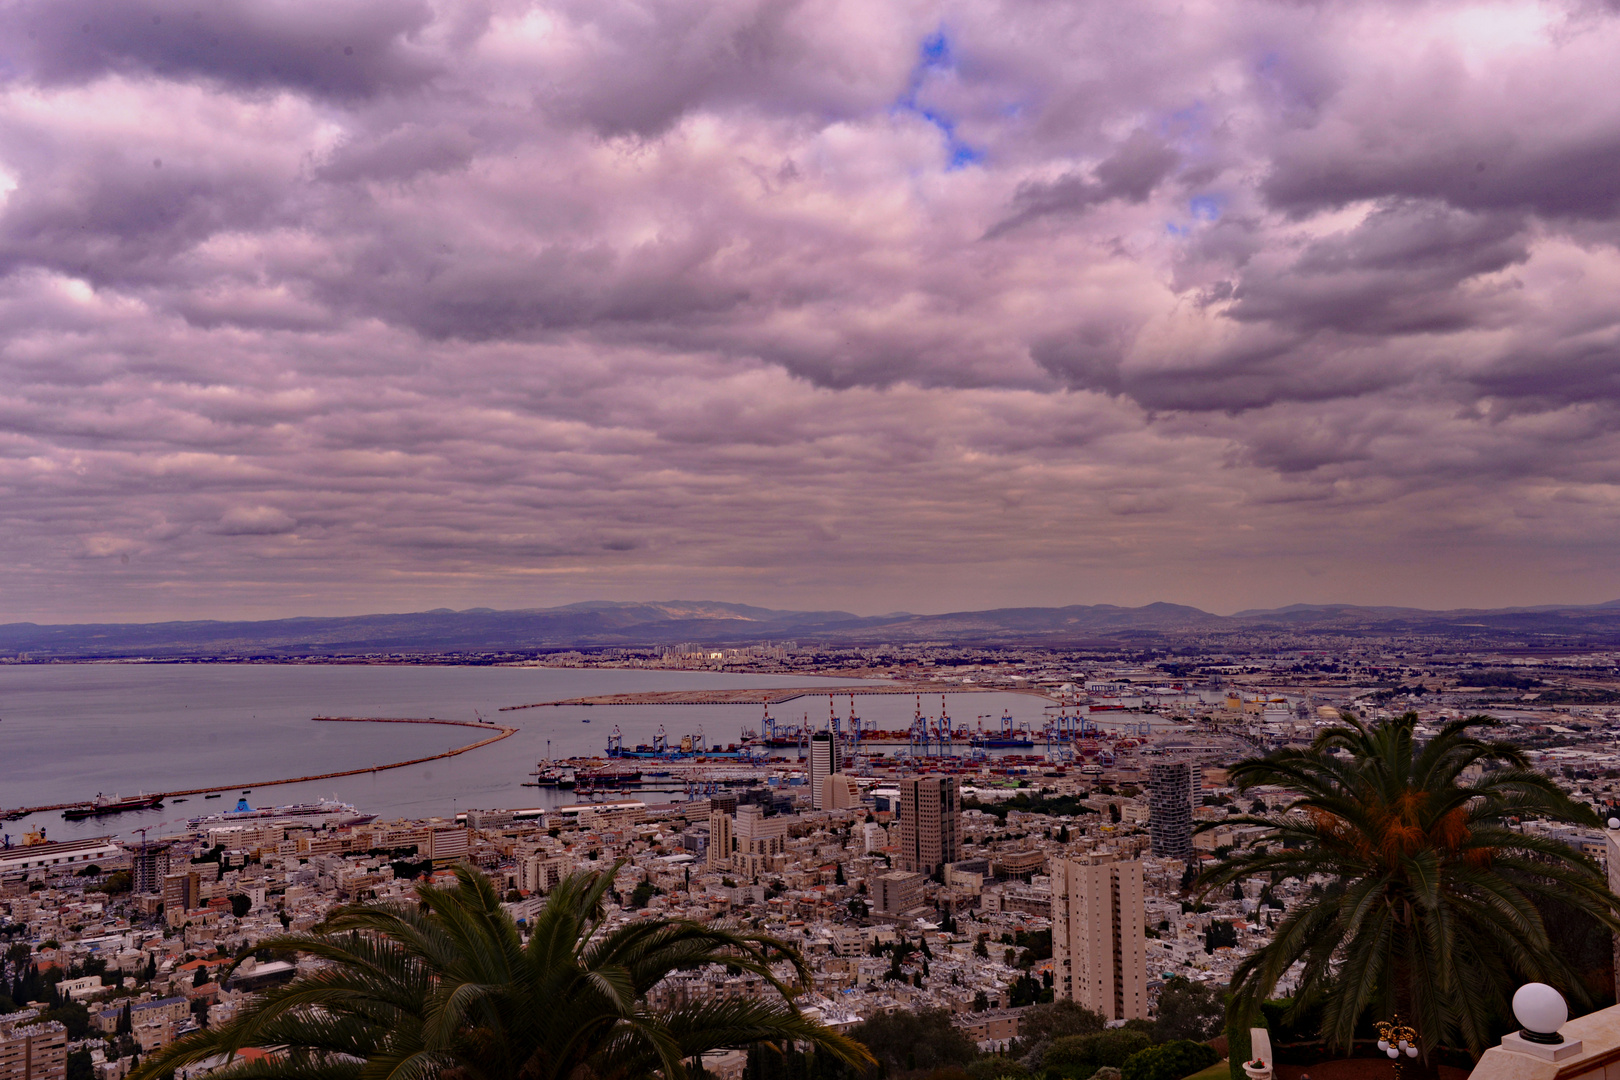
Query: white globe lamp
{"type": "Point", "coordinates": [1614, 823]}
{"type": "Point", "coordinates": [1541, 1011]}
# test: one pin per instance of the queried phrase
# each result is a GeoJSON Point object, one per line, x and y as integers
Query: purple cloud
{"type": "Point", "coordinates": [316, 308]}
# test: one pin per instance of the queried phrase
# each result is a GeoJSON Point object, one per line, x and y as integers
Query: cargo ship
{"type": "Point", "coordinates": [101, 806]}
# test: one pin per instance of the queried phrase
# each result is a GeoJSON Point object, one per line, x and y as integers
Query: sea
{"type": "Point", "coordinates": [70, 732]}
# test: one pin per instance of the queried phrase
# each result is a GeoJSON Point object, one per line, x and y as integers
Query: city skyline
{"type": "Point", "coordinates": [949, 306]}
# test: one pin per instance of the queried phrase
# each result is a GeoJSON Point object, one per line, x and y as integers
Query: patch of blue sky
{"type": "Point", "coordinates": [1200, 208]}
{"type": "Point", "coordinates": [936, 55]}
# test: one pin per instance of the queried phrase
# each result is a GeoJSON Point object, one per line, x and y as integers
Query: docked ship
{"type": "Point", "coordinates": [324, 812]}
{"type": "Point", "coordinates": [550, 774]}
{"type": "Point", "coordinates": [101, 806]}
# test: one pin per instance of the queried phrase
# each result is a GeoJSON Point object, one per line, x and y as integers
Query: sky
{"type": "Point", "coordinates": [313, 307]}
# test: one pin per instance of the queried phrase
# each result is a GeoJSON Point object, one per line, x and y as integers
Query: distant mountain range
{"type": "Point", "coordinates": [603, 623]}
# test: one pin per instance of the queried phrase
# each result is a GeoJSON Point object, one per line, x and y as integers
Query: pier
{"type": "Point", "coordinates": [497, 733]}
{"type": "Point", "coordinates": [776, 696]}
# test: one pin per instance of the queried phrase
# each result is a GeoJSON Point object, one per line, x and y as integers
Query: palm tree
{"type": "Point", "coordinates": [447, 987]}
{"type": "Point", "coordinates": [1429, 898]}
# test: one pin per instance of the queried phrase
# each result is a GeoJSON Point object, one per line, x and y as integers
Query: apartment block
{"type": "Point", "coordinates": [35, 1052]}
{"type": "Point", "coordinates": [719, 854]}
{"type": "Point", "coordinates": [1098, 951]}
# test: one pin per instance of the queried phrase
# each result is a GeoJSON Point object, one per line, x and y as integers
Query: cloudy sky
{"type": "Point", "coordinates": [328, 306]}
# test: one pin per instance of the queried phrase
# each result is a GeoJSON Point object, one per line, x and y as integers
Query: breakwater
{"type": "Point", "coordinates": [497, 733]}
{"type": "Point", "coordinates": [776, 696]}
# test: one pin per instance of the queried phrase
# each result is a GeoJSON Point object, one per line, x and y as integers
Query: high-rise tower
{"type": "Point", "coordinates": [930, 831]}
{"type": "Point", "coordinates": [1170, 811]}
{"type": "Point", "coordinates": [826, 758]}
{"type": "Point", "coordinates": [1098, 954]}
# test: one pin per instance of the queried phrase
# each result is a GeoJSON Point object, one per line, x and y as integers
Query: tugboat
{"type": "Point", "coordinates": [101, 806]}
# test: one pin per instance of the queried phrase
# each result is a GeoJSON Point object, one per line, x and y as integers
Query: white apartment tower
{"type": "Point", "coordinates": [826, 758]}
{"type": "Point", "coordinates": [1098, 954]}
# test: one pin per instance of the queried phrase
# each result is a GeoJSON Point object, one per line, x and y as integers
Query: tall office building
{"type": "Point", "coordinates": [930, 823]}
{"type": "Point", "coordinates": [1098, 955]}
{"type": "Point", "coordinates": [719, 839]}
{"type": "Point", "coordinates": [826, 758]}
{"type": "Point", "coordinates": [1170, 811]}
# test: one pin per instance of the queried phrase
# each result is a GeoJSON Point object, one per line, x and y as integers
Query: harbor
{"type": "Point", "coordinates": [101, 806]}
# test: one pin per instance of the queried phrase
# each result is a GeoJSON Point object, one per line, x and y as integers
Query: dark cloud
{"type": "Point", "coordinates": [342, 51]}
{"type": "Point", "coordinates": [325, 307]}
{"type": "Point", "coordinates": [1131, 173]}
{"type": "Point", "coordinates": [1400, 271]}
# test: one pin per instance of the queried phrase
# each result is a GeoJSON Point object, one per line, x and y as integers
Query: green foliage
{"type": "Point", "coordinates": [1172, 1061]}
{"type": "Point", "coordinates": [1082, 1055]}
{"type": "Point", "coordinates": [915, 1040]}
{"type": "Point", "coordinates": [406, 870]}
{"type": "Point", "coordinates": [1187, 1010]}
{"type": "Point", "coordinates": [119, 881]}
{"type": "Point", "coordinates": [1057, 1020]}
{"type": "Point", "coordinates": [73, 1016]}
{"type": "Point", "coordinates": [447, 985]}
{"type": "Point", "coordinates": [1238, 1044]}
{"type": "Point", "coordinates": [241, 904]}
{"type": "Point", "coordinates": [1032, 803]}
{"type": "Point", "coordinates": [1510, 680]}
{"type": "Point", "coordinates": [1220, 934]}
{"type": "Point", "coordinates": [1027, 991]}
{"type": "Point", "coordinates": [642, 893]}
{"type": "Point", "coordinates": [79, 1066]}
{"type": "Point", "coordinates": [996, 1067]}
{"type": "Point", "coordinates": [1431, 907]}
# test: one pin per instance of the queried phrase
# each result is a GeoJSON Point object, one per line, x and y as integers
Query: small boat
{"type": "Point", "coordinates": [216, 795]}
{"type": "Point", "coordinates": [178, 800]}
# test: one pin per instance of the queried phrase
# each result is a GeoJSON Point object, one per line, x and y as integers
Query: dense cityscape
{"type": "Point", "coordinates": [975, 875]}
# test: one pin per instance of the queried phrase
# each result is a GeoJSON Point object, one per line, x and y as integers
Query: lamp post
{"type": "Point", "coordinates": [1395, 1039]}
{"type": "Point", "coordinates": [1541, 1011]}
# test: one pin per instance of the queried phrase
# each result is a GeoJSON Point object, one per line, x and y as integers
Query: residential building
{"type": "Point", "coordinates": [839, 791]}
{"type": "Point", "coordinates": [930, 830]}
{"type": "Point", "coordinates": [446, 846]}
{"type": "Point", "coordinates": [181, 892]}
{"type": "Point", "coordinates": [35, 1052]}
{"type": "Point", "coordinates": [1170, 811]}
{"type": "Point", "coordinates": [898, 891]}
{"type": "Point", "coordinates": [756, 834]}
{"type": "Point", "coordinates": [1098, 952]}
{"type": "Point", "coordinates": [719, 839]}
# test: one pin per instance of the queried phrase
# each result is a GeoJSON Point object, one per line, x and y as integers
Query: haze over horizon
{"type": "Point", "coordinates": [316, 309]}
